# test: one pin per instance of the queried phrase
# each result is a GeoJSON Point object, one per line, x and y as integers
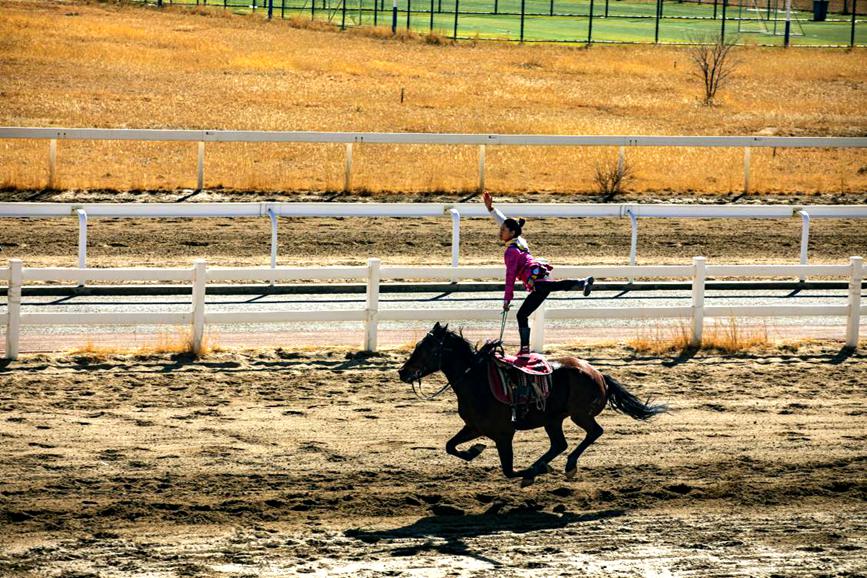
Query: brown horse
{"type": "Point", "coordinates": [574, 394]}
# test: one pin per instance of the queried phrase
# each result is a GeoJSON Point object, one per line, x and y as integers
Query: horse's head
{"type": "Point", "coordinates": [427, 356]}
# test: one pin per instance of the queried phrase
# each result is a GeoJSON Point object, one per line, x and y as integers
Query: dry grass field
{"type": "Point", "coordinates": [83, 64]}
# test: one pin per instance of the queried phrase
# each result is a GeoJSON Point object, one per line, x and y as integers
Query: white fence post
{"type": "Point", "coordinates": [273, 219]}
{"type": "Point", "coordinates": [13, 309]}
{"type": "Point", "coordinates": [52, 163]}
{"type": "Point", "coordinates": [805, 238]}
{"type": "Point", "coordinates": [537, 336]}
{"type": "Point", "coordinates": [200, 280]}
{"type": "Point", "coordinates": [481, 168]}
{"type": "Point", "coordinates": [621, 160]}
{"type": "Point", "coordinates": [633, 242]}
{"type": "Point", "coordinates": [854, 317]}
{"type": "Point", "coordinates": [372, 304]}
{"type": "Point", "coordinates": [200, 167]}
{"type": "Point", "coordinates": [698, 280]}
{"type": "Point", "coordinates": [747, 170]}
{"type": "Point", "coordinates": [82, 242]}
{"type": "Point", "coordinates": [456, 241]}
{"type": "Point", "coordinates": [347, 169]}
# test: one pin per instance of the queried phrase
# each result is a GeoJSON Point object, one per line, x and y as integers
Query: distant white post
{"type": "Point", "coordinates": [13, 308]}
{"type": "Point", "coordinates": [200, 172]}
{"type": "Point", "coordinates": [82, 241]}
{"type": "Point", "coordinates": [621, 160]}
{"type": "Point", "coordinates": [456, 241]}
{"type": "Point", "coordinates": [347, 170]}
{"type": "Point", "coordinates": [805, 238]}
{"type": "Point", "coordinates": [633, 243]}
{"type": "Point", "coordinates": [200, 279]}
{"type": "Point", "coordinates": [372, 304]}
{"type": "Point", "coordinates": [273, 218]}
{"type": "Point", "coordinates": [52, 163]}
{"type": "Point", "coordinates": [481, 167]}
{"type": "Point", "coordinates": [854, 317]}
{"type": "Point", "coordinates": [537, 336]}
{"type": "Point", "coordinates": [746, 170]}
{"type": "Point", "coordinates": [698, 280]}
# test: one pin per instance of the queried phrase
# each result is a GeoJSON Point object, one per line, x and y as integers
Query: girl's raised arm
{"type": "Point", "coordinates": [495, 213]}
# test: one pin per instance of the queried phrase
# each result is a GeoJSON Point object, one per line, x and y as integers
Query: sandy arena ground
{"type": "Point", "coordinates": [321, 462]}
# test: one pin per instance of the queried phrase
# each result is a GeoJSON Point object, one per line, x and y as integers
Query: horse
{"type": "Point", "coordinates": [574, 394]}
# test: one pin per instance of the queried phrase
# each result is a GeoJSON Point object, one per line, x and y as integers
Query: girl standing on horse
{"type": "Point", "coordinates": [532, 272]}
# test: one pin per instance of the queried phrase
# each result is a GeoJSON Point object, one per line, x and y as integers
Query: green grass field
{"type": "Point", "coordinates": [756, 22]}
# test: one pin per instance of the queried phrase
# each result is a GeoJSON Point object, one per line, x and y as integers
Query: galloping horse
{"type": "Point", "coordinates": [574, 394]}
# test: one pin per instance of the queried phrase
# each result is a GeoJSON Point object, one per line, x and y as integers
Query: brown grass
{"type": "Point", "coordinates": [726, 336]}
{"type": "Point", "coordinates": [167, 343]}
{"type": "Point", "coordinates": [80, 65]}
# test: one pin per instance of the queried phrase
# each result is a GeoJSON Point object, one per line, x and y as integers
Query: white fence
{"type": "Point", "coordinates": [374, 273]}
{"type": "Point", "coordinates": [457, 211]}
{"type": "Point", "coordinates": [349, 138]}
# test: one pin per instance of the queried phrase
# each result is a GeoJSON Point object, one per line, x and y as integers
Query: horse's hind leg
{"type": "Point", "coordinates": [465, 435]}
{"type": "Point", "coordinates": [594, 430]}
{"type": "Point", "coordinates": [554, 430]}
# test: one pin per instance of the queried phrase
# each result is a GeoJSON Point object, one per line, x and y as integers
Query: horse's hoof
{"type": "Point", "coordinates": [570, 474]}
{"type": "Point", "coordinates": [477, 449]}
{"type": "Point", "coordinates": [526, 482]}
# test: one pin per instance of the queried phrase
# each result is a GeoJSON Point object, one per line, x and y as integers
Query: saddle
{"type": "Point", "coordinates": [520, 381]}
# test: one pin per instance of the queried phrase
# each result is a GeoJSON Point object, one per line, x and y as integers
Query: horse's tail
{"type": "Point", "coordinates": [621, 400]}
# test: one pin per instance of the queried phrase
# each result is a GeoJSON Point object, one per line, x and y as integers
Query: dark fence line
{"type": "Point", "coordinates": [724, 11]}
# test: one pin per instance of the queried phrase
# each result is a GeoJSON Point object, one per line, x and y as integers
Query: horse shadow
{"type": "Point", "coordinates": [447, 534]}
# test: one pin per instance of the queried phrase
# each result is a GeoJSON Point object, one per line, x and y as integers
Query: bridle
{"type": "Point", "coordinates": [416, 383]}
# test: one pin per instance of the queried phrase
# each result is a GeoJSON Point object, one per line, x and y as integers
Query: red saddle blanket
{"type": "Point", "coordinates": [520, 380]}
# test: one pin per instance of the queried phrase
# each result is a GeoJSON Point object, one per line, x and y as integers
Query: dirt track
{"type": "Point", "coordinates": [322, 462]}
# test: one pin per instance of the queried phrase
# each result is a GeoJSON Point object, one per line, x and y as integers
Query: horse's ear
{"type": "Point", "coordinates": [436, 327]}
{"type": "Point", "coordinates": [445, 327]}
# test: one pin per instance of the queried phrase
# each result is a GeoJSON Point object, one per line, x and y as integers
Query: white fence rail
{"type": "Point", "coordinates": [349, 138]}
{"type": "Point", "coordinates": [199, 275]}
{"type": "Point", "coordinates": [457, 212]}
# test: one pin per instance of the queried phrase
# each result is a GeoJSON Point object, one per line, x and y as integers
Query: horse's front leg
{"type": "Point", "coordinates": [504, 448]}
{"type": "Point", "coordinates": [465, 435]}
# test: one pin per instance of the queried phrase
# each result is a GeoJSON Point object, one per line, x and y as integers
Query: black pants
{"type": "Point", "coordinates": [539, 294]}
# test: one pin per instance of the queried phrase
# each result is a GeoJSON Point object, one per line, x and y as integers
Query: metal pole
{"type": "Point", "coordinates": [431, 15]}
{"type": "Point", "coordinates": [852, 33]}
{"type": "Point", "coordinates": [200, 169]}
{"type": "Point", "coordinates": [590, 24]}
{"type": "Point", "coordinates": [606, 8]}
{"type": "Point", "coordinates": [372, 304]}
{"type": "Point", "coordinates": [408, 12]}
{"type": "Point", "coordinates": [714, 8]}
{"type": "Point", "coordinates": [551, 12]}
{"type": "Point", "coordinates": [52, 163]}
{"type": "Point", "coordinates": [394, 17]}
{"type": "Point", "coordinates": [200, 279]}
{"type": "Point", "coordinates": [343, 16]}
{"type": "Point", "coordinates": [723, 25]}
{"type": "Point", "coordinates": [282, 9]}
{"type": "Point", "coordinates": [82, 241]}
{"type": "Point", "coordinates": [747, 170]}
{"type": "Point", "coordinates": [805, 239]}
{"type": "Point", "coordinates": [456, 240]}
{"type": "Point", "coordinates": [273, 219]}
{"type": "Point", "coordinates": [698, 281]}
{"type": "Point", "coordinates": [854, 318]}
{"type": "Point", "coordinates": [313, 10]}
{"type": "Point", "coordinates": [633, 241]}
{"type": "Point", "coordinates": [13, 308]}
{"type": "Point", "coordinates": [496, 6]}
{"type": "Point", "coordinates": [787, 30]}
{"type": "Point", "coordinates": [347, 170]}
{"type": "Point", "coordinates": [270, 9]}
{"type": "Point", "coordinates": [656, 28]}
{"type": "Point", "coordinates": [522, 19]}
{"type": "Point", "coordinates": [457, 11]}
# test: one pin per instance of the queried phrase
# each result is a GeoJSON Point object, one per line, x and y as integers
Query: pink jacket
{"type": "Point", "coordinates": [520, 264]}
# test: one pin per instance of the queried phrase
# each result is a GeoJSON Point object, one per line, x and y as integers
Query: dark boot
{"type": "Point", "coordinates": [524, 332]}
{"type": "Point", "coordinates": [588, 285]}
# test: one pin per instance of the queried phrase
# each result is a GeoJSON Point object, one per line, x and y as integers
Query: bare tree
{"type": "Point", "coordinates": [611, 177]}
{"type": "Point", "coordinates": [711, 54]}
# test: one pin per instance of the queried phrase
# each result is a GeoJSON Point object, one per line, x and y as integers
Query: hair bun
{"type": "Point", "coordinates": [521, 222]}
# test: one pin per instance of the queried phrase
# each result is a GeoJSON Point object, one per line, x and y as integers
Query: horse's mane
{"type": "Point", "coordinates": [486, 349]}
